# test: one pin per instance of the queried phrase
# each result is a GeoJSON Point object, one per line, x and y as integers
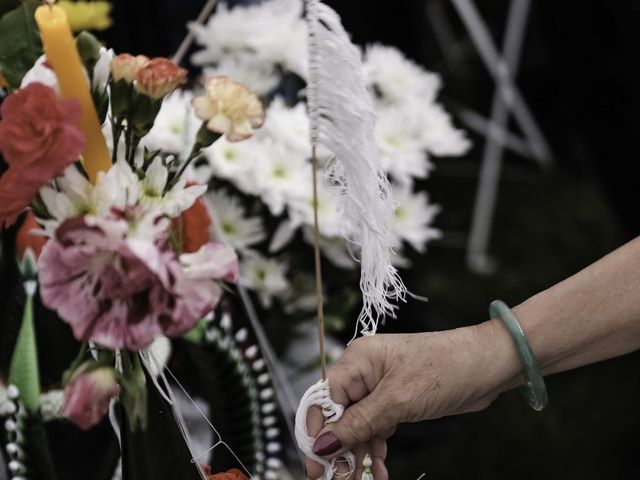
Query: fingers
{"type": "Point", "coordinates": [313, 470]}
{"type": "Point", "coordinates": [358, 425]}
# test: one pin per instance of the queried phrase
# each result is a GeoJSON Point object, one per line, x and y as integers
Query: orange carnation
{"type": "Point", "coordinates": [233, 474]}
{"type": "Point", "coordinates": [193, 226]}
{"type": "Point", "coordinates": [159, 78]}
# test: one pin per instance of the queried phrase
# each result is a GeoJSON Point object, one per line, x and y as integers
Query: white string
{"type": "Point", "coordinates": [176, 410]}
{"type": "Point", "coordinates": [319, 395]}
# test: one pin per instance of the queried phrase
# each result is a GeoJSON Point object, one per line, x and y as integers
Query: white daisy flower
{"type": "Point", "coordinates": [259, 76]}
{"type": "Point", "coordinates": [288, 125]}
{"type": "Point", "coordinates": [437, 133]}
{"type": "Point", "coordinates": [396, 77]}
{"type": "Point", "coordinates": [282, 176]}
{"type": "Point", "coordinates": [267, 277]}
{"type": "Point", "coordinates": [413, 218]}
{"type": "Point", "coordinates": [235, 161]}
{"type": "Point", "coordinates": [230, 224]}
{"type": "Point", "coordinates": [329, 219]}
{"type": "Point", "coordinates": [263, 29]}
{"type": "Point", "coordinates": [175, 127]}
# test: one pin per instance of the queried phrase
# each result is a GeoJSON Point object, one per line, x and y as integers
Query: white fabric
{"type": "Point", "coordinates": [319, 395]}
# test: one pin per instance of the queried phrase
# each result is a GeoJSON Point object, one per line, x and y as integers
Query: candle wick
{"type": "Point", "coordinates": [49, 3]}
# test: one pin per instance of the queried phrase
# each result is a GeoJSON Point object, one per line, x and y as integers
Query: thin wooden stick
{"type": "Point", "coordinates": [318, 265]}
{"type": "Point", "coordinates": [188, 40]}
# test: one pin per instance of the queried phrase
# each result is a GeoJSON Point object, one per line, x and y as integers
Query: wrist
{"type": "Point", "coordinates": [500, 367]}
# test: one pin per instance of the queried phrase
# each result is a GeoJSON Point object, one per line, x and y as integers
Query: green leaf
{"type": "Point", "coordinates": [21, 45]}
{"type": "Point", "coordinates": [23, 372]}
{"type": "Point", "coordinates": [8, 5]}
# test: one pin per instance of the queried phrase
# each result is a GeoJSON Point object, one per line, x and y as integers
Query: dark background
{"type": "Point", "coordinates": [579, 76]}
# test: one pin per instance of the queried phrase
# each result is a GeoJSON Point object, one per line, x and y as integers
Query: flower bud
{"type": "Point", "coordinates": [159, 78]}
{"type": "Point", "coordinates": [126, 67]}
{"type": "Point", "coordinates": [87, 397]}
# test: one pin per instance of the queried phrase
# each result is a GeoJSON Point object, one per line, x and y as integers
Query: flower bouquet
{"type": "Point", "coordinates": [261, 195]}
{"type": "Point", "coordinates": [109, 237]}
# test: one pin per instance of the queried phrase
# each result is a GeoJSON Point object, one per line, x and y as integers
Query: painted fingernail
{"type": "Point", "coordinates": [326, 444]}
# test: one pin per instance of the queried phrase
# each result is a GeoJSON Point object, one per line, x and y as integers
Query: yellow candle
{"type": "Point", "coordinates": [62, 55]}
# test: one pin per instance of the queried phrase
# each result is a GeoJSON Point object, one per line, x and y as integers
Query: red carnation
{"type": "Point", "coordinates": [39, 138]}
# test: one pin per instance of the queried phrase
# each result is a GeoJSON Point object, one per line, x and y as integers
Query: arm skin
{"type": "Point", "coordinates": [388, 379]}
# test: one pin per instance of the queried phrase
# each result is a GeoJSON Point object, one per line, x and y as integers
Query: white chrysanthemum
{"type": "Point", "coordinates": [175, 127]}
{"type": "Point", "coordinates": [438, 134]}
{"type": "Point", "coordinates": [282, 175]}
{"type": "Point", "coordinates": [329, 219]}
{"type": "Point", "coordinates": [172, 202]}
{"type": "Point", "coordinates": [259, 76]}
{"type": "Point", "coordinates": [235, 161]}
{"type": "Point", "coordinates": [230, 224]}
{"type": "Point", "coordinates": [267, 277]}
{"type": "Point", "coordinates": [401, 153]}
{"type": "Point", "coordinates": [413, 218]}
{"type": "Point", "coordinates": [264, 30]}
{"type": "Point", "coordinates": [288, 125]}
{"type": "Point", "coordinates": [119, 187]}
{"type": "Point", "coordinates": [396, 77]}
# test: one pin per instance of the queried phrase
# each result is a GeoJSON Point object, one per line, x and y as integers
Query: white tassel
{"type": "Point", "coordinates": [342, 119]}
{"type": "Point", "coordinates": [320, 395]}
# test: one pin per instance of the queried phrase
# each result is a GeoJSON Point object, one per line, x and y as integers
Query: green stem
{"type": "Point", "coordinates": [135, 141]}
{"type": "Point", "coordinates": [195, 152]}
{"type": "Point", "coordinates": [66, 376]}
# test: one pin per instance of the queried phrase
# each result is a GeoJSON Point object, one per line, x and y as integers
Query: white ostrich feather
{"type": "Point", "coordinates": [343, 120]}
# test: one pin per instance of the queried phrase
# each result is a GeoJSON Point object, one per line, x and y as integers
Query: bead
{"type": "Point", "coordinates": [16, 467]}
{"type": "Point", "coordinates": [272, 432]}
{"type": "Point", "coordinates": [269, 421]}
{"type": "Point", "coordinates": [9, 408]}
{"type": "Point", "coordinates": [258, 365]}
{"type": "Point", "coordinates": [268, 408]}
{"type": "Point", "coordinates": [273, 447]}
{"type": "Point", "coordinates": [263, 379]}
{"type": "Point", "coordinates": [242, 335]}
{"type": "Point", "coordinates": [266, 394]}
{"type": "Point", "coordinates": [13, 449]}
{"type": "Point", "coordinates": [367, 462]}
{"type": "Point", "coordinates": [274, 463]}
{"type": "Point", "coordinates": [270, 475]}
{"type": "Point", "coordinates": [12, 392]}
{"type": "Point", "coordinates": [251, 351]}
{"type": "Point", "coordinates": [10, 425]}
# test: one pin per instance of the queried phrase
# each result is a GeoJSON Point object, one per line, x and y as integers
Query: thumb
{"type": "Point", "coordinates": [359, 424]}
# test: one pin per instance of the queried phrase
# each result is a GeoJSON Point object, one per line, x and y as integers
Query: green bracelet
{"type": "Point", "coordinates": [534, 391]}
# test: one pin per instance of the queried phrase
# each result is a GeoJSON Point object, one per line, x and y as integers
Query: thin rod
{"type": "Point", "coordinates": [318, 265]}
{"type": "Point", "coordinates": [188, 40]}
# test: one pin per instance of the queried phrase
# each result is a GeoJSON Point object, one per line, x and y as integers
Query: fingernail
{"type": "Point", "coordinates": [326, 444]}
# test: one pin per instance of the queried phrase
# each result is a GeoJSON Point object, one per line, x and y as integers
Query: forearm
{"type": "Point", "coordinates": [591, 316]}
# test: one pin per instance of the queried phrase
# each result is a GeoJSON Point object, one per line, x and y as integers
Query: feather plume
{"type": "Point", "coordinates": [343, 120]}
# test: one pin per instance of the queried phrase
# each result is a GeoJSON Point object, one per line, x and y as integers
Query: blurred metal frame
{"type": "Point", "coordinates": [507, 100]}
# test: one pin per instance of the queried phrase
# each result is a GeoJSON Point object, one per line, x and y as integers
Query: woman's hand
{"type": "Point", "coordinates": [384, 380]}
